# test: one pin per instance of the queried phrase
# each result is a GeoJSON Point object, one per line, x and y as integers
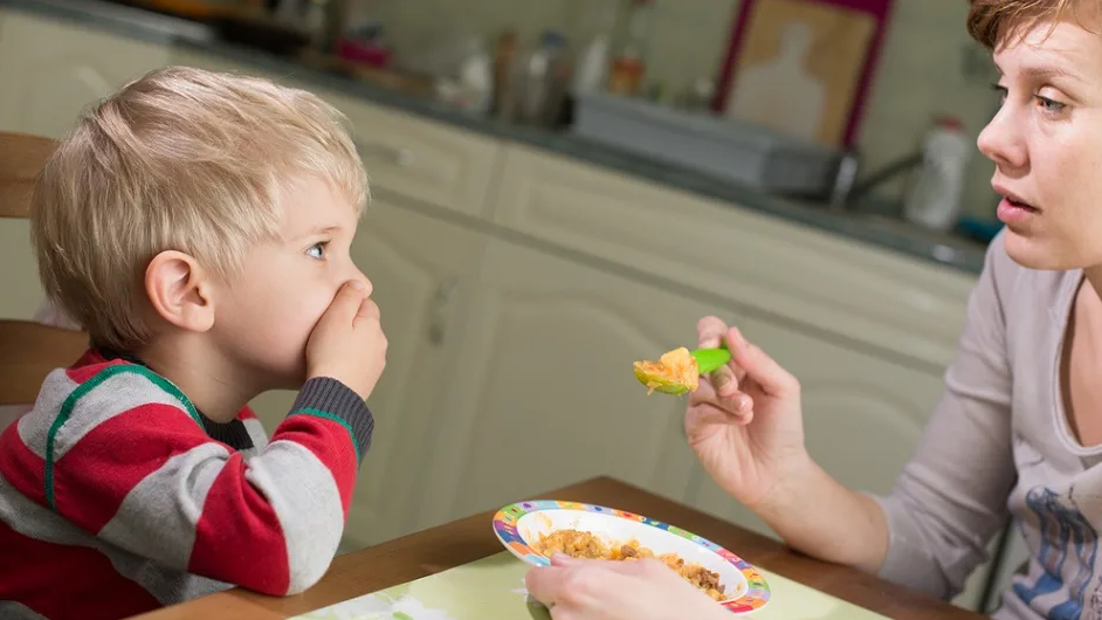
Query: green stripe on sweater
{"type": "Point", "coordinates": [329, 416]}
{"type": "Point", "coordinates": [82, 390]}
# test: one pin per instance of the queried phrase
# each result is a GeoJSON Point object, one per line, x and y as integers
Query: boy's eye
{"type": "Point", "coordinates": [317, 250]}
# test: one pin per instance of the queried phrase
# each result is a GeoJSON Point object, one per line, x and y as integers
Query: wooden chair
{"type": "Point", "coordinates": [28, 350]}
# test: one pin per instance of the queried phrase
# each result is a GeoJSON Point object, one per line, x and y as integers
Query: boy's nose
{"type": "Point", "coordinates": [358, 275]}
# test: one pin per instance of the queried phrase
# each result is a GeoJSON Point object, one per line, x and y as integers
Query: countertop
{"type": "Point", "coordinates": [949, 250]}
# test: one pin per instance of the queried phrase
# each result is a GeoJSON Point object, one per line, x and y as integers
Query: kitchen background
{"type": "Point", "coordinates": [564, 186]}
{"type": "Point", "coordinates": [928, 65]}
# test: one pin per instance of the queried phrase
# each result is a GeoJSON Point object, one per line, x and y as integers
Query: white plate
{"type": "Point", "coordinates": [518, 526]}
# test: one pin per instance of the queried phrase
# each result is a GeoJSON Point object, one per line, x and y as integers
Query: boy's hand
{"type": "Point", "coordinates": [348, 343]}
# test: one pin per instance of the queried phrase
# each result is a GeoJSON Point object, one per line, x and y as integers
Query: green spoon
{"type": "Point", "coordinates": [711, 360]}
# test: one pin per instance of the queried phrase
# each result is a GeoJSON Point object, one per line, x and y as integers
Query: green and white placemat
{"type": "Point", "coordinates": [493, 587]}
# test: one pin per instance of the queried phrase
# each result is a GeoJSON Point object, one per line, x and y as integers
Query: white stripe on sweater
{"type": "Point", "coordinates": [307, 503]}
{"type": "Point", "coordinates": [35, 521]}
{"type": "Point", "coordinates": [158, 516]}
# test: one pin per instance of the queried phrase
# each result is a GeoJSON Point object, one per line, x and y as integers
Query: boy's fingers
{"type": "Point", "coordinates": [368, 308]}
{"type": "Point", "coordinates": [346, 303]}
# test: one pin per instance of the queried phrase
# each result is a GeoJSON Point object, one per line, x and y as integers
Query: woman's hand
{"type": "Point", "coordinates": [745, 422]}
{"type": "Point", "coordinates": [628, 590]}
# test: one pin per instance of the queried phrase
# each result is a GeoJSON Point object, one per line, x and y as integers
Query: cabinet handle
{"type": "Point", "coordinates": [399, 156]}
{"type": "Point", "coordinates": [438, 314]}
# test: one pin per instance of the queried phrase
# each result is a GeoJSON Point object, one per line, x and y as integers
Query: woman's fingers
{"type": "Point", "coordinates": [711, 332]}
{"type": "Point", "coordinates": [773, 379]}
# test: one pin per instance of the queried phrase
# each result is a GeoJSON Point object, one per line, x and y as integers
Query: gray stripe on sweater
{"type": "Point", "coordinates": [34, 426]}
{"type": "Point", "coordinates": [256, 432]}
{"type": "Point", "coordinates": [307, 503]}
{"type": "Point", "coordinates": [158, 516]}
{"type": "Point", "coordinates": [10, 610]}
{"type": "Point", "coordinates": [116, 395]}
{"type": "Point", "coordinates": [35, 521]}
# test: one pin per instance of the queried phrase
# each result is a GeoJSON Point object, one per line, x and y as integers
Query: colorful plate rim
{"type": "Point", "coordinates": [505, 527]}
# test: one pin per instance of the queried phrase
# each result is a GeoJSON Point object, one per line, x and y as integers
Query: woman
{"type": "Point", "coordinates": [1019, 427]}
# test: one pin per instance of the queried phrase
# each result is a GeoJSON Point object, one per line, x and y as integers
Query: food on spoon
{"type": "Point", "coordinates": [580, 544]}
{"type": "Point", "coordinates": [675, 372]}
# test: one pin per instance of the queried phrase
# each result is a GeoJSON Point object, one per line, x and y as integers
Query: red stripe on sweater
{"type": "Point", "coordinates": [22, 468]}
{"type": "Point", "coordinates": [96, 474]}
{"type": "Point", "coordinates": [246, 413]}
{"type": "Point", "coordinates": [238, 538]}
{"type": "Point", "coordinates": [331, 443]}
{"type": "Point", "coordinates": [89, 365]}
{"type": "Point", "coordinates": [64, 582]}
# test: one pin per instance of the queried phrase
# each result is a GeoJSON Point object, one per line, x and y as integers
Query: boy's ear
{"type": "Point", "coordinates": [180, 291]}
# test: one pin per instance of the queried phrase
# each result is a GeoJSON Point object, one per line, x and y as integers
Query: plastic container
{"type": "Point", "coordinates": [754, 156]}
{"type": "Point", "coordinates": [933, 198]}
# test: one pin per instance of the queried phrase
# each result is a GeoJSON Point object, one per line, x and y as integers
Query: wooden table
{"type": "Point", "coordinates": [466, 540]}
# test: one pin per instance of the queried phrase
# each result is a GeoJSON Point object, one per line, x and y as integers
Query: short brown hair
{"type": "Point", "coordinates": [990, 22]}
{"type": "Point", "coordinates": [179, 159]}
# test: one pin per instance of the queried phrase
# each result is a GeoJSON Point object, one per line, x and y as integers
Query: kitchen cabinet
{"type": "Point", "coordinates": [545, 392]}
{"type": "Point", "coordinates": [770, 267]}
{"type": "Point", "coordinates": [50, 71]}
{"type": "Point", "coordinates": [858, 410]}
{"type": "Point", "coordinates": [418, 158]}
{"type": "Point", "coordinates": [422, 271]}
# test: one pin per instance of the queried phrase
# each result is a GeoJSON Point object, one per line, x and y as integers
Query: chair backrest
{"type": "Point", "coordinates": [21, 158]}
{"type": "Point", "coordinates": [28, 350]}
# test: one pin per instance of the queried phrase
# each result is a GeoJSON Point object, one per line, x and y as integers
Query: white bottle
{"type": "Point", "coordinates": [476, 78]}
{"type": "Point", "coordinates": [933, 199]}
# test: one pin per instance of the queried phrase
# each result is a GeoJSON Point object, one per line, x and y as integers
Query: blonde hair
{"type": "Point", "coordinates": [179, 159]}
{"type": "Point", "coordinates": [992, 22]}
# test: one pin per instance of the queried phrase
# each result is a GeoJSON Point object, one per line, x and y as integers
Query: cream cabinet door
{"type": "Point", "coordinates": [426, 160]}
{"type": "Point", "coordinates": [863, 416]}
{"type": "Point", "coordinates": [420, 269]}
{"type": "Point", "coordinates": [863, 419]}
{"type": "Point", "coordinates": [544, 394]}
{"type": "Point", "coordinates": [51, 70]}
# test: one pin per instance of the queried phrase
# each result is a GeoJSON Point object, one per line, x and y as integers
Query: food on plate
{"type": "Point", "coordinates": [676, 372]}
{"type": "Point", "coordinates": [581, 544]}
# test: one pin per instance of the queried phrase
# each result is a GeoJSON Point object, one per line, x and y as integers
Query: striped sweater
{"type": "Point", "coordinates": [117, 496]}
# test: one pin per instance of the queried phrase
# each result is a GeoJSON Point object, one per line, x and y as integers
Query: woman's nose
{"type": "Point", "coordinates": [1001, 141]}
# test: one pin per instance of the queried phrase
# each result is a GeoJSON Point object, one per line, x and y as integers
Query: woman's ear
{"type": "Point", "coordinates": [180, 291]}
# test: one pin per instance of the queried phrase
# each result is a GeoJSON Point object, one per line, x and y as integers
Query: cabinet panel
{"type": "Point", "coordinates": [51, 71]}
{"type": "Point", "coordinates": [778, 267]}
{"type": "Point", "coordinates": [545, 394]}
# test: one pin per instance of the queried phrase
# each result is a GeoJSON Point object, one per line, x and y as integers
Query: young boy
{"type": "Point", "coordinates": [198, 226]}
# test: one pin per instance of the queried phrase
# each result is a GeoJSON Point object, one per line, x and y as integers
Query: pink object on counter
{"type": "Point", "coordinates": [369, 54]}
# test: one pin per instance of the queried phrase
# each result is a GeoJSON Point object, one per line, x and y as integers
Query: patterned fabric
{"type": "Point", "coordinates": [117, 496]}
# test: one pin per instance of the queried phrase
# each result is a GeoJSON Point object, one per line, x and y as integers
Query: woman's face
{"type": "Point", "coordinates": [1046, 142]}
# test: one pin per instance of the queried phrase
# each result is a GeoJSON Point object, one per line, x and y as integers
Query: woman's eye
{"type": "Point", "coordinates": [1050, 105]}
{"type": "Point", "coordinates": [317, 250]}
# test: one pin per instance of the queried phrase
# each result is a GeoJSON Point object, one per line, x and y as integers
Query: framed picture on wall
{"type": "Point", "coordinates": [802, 67]}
